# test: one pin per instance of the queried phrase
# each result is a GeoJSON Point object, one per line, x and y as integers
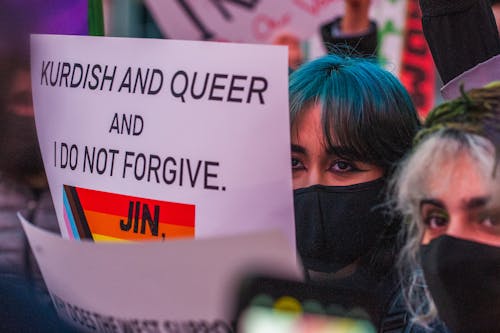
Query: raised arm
{"type": "Point", "coordinates": [460, 33]}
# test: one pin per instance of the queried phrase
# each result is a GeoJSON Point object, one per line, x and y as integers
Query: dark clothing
{"type": "Point", "coordinates": [24, 309]}
{"type": "Point", "coordinates": [380, 296]}
{"type": "Point", "coordinates": [25, 305]}
{"type": "Point", "coordinates": [375, 294]}
{"type": "Point", "coordinates": [36, 206]}
{"type": "Point", "coordinates": [363, 45]}
{"type": "Point", "coordinates": [460, 34]}
{"type": "Point", "coordinates": [376, 288]}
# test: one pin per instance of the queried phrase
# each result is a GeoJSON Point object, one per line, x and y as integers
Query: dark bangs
{"type": "Point", "coordinates": [367, 115]}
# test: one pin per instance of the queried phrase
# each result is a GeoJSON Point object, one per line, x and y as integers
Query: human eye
{"type": "Point", "coordinates": [490, 221]}
{"type": "Point", "coordinates": [435, 220]}
{"type": "Point", "coordinates": [297, 164]}
{"type": "Point", "coordinates": [341, 166]}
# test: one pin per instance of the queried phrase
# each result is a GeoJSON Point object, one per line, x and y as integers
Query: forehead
{"type": "Point", "coordinates": [308, 123]}
{"type": "Point", "coordinates": [456, 179]}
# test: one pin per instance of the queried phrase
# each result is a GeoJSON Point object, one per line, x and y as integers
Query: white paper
{"type": "Point", "coordinates": [153, 285]}
{"type": "Point", "coordinates": [262, 21]}
{"type": "Point", "coordinates": [113, 121]}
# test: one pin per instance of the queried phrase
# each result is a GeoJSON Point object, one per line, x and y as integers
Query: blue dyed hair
{"type": "Point", "coordinates": [365, 109]}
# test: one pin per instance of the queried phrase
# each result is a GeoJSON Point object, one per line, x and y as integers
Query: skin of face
{"type": "Point", "coordinates": [496, 12]}
{"type": "Point", "coordinates": [19, 96]}
{"type": "Point", "coordinates": [311, 162]}
{"type": "Point", "coordinates": [459, 205]}
{"type": "Point", "coordinates": [355, 19]}
{"type": "Point", "coordinates": [355, 3]}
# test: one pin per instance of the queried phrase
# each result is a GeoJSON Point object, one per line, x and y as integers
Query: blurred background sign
{"type": "Point", "coordinates": [401, 44]}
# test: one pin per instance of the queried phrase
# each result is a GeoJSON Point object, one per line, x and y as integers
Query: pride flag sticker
{"type": "Point", "coordinates": [104, 216]}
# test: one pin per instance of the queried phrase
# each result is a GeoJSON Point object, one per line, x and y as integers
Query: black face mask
{"type": "Point", "coordinates": [464, 280]}
{"type": "Point", "coordinates": [336, 225]}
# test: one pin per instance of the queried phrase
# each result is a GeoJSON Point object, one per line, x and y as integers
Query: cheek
{"type": "Point", "coordinates": [471, 232]}
{"type": "Point", "coordinates": [484, 238]}
{"type": "Point", "coordinates": [369, 173]}
{"type": "Point", "coordinates": [427, 237]}
{"type": "Point", "coordinates": [373, 173]}
{"type": "Point", "coordinates": [299, 180]}
{"type": "Point", "coordinates": [349, 178]}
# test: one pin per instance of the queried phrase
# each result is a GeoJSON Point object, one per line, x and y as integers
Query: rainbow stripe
{"type": "Point", "coordinates": [104, 216]}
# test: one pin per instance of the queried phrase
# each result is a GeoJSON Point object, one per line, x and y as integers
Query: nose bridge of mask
{"type": "Point", "coordinates": [452, 250]}
{"type": "Point", "coordinates": [328, 203]}
{"type": "Point", "coordinates": [446, 254]}
{"type": "Point", "coordinates": [321, 203]}
{"type": "Point", "coordinates": [319, 236]}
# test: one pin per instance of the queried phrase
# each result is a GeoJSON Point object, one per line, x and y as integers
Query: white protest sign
{"type": "Point", "coordinates": [144, 287]}
{"type": "Point", "coordinates": [263, 21]}
{"type": "Point", "coordinates": [158, 139]}
{"type": "Point", "coordinates": [252, 21]}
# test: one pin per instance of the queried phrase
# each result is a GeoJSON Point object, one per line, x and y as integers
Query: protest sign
{"type": "Point", "coordinates": [263, 21]}
{"type": "Point", "coordinates": [147, 287]}
{"type": "Point", "coordinates": [250, 21]}
{"type": "Point", "coordinates": [401, 44]}
{"type": "Point", "coordinates": [160, 139]}
{"type": "Point", "coordinates": [417, 69]}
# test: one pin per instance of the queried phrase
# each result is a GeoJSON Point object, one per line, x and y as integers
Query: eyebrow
{"type": "Point", "coordinates": [472, 203]}
{"type": "Point", "coordinates": [476, 202]}
{"type": "Point", "coordinates": [430, 201]}
{"type": "Point", "coordinates": [298, 149]}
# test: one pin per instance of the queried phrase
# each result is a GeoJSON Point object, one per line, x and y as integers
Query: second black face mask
{"type": "Point", "coordinates": [336, 225]}
{"type": "Point", "coordinates": [464, 280]}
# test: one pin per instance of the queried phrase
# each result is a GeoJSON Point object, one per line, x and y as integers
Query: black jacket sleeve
{"type": "Point", "coordinates": [460, 34]}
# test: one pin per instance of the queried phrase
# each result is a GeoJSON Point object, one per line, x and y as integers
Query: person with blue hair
{"type": "Point", "coordinates": [351, 123]}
